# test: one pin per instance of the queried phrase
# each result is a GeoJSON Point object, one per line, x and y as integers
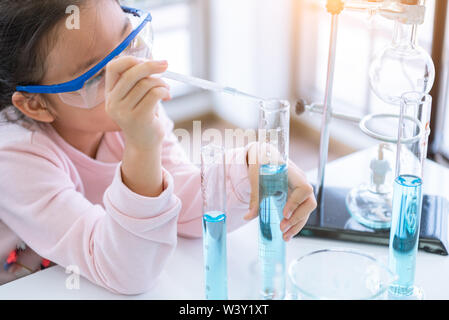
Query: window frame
{"type": "Point", "coordinates": [439, 91]}
{"type": "Point", "coordinates": [200, 57]}
{"type": "Point", "coordinates": [343, 130]}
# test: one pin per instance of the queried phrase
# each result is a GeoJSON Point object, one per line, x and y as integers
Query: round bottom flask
{"type": "Point", "coordinates": [370, 209]}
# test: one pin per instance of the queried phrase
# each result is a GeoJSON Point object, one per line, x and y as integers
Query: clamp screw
{"type": "Point", "coordinates": [335, 6]}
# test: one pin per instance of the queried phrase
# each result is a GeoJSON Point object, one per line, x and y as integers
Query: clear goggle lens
{"type": "Point", "coordinates": [93, 92]}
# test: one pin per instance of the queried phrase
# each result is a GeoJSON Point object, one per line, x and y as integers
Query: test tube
{"type": "Point", "coordinates": [213, 190]}
{"type": "Point", "coordinates": [413, 133]}
{"type": "Point", "coordinates": [274, 124]}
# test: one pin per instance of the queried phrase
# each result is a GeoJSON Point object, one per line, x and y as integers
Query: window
{"type": "Point", "coordinates": [442, 139]}
{"type": "Point", "coordinates": [359, 39]}
{"type": "Point", "coordinates": [180, 39]}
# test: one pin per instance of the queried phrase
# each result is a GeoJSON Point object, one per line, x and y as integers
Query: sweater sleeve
{"type": "Point", "coordinates": [187, 181]}
{"type": "Point", "coordinates": [122, 246]}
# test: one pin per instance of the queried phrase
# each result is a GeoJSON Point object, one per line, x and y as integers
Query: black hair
{"type": "Point", "coordinates": [25, 38]}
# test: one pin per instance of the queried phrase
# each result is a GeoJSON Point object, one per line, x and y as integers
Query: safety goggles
{"type": "Point", "coordinates": [88, 90]}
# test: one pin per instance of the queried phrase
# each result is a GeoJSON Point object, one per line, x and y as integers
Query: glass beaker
{"type": "Point", "coordinates": [340, 274]}
{"type": "Point", "coordinates": [274, 125]}
{"type": "Point", "coordinates": [213, 190]}
{"type": "Point", "coordinates": [413, 133]}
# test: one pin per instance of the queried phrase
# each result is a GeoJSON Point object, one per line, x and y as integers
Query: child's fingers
{"type": "Point", "coordinates": [141, 71]}
{"type": "Point", "coordinates": [296, 198]}
{"type": "Point", "coordinates": [292, 226]}
{"type": "Point", "coordinates": [253, 171]}
{"type": "Point", "coordinates": [149, 103]}
{"type": "Point", "coordinates": [301, 189]}
{"type": "Point", "coordinates": [293, 231]}
{"type": "Point", "coordinates": [141, 89]}
{"type": "Point", "coordinates": [116, 67]}
{"type": "Point", "coordinates": [295, 175]}
{"type": "Point", "coordinates": [131, 77]}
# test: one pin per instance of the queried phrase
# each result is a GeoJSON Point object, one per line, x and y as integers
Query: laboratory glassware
{"type": "Point", "coordinates": [213, 190]}
{"type": "Point", "coordinates": [207, 85]}
{"type": "Point", "coordinates": [254, 283]}
{"type": "Point", "coordinates": [407, 14]}
{"type": "Point", "coordinates": [274, 125]}
{"type": "Point", "coordinates": [370, 203]}
{"type": "Point", "coordinates": [340, 274]}
{"type": "Point", "coordinates": [338, 220]}
{"type": "Point", "coordinates": [411, 65]}
{"type": "Point", "coordinates": [413, 133]}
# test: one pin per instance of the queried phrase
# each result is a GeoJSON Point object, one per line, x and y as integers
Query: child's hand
{"type": "Point", "coordinates": [132, 96]}
{"type": "Point", "coordinates": [301, 201]}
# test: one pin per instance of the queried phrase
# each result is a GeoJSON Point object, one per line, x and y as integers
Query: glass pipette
{"type": "Point", "coordinates": [207, 85]}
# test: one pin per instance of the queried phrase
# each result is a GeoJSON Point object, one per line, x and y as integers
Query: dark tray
{"type": "Point", "coordinates": [333, 221]}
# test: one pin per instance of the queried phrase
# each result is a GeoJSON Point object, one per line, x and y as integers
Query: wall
{"type": "Point", "coordinates": [250, 50]}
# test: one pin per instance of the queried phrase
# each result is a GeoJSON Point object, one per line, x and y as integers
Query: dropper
{"type": "Point", "coordinates": [207, 85]}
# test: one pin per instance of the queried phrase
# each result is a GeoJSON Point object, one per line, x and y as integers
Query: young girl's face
{"type": "Point", "coordinates": [103, 26]}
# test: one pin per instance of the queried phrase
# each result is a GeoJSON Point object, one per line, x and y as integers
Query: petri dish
{"type": "Point", "coordinates": [340, 274]}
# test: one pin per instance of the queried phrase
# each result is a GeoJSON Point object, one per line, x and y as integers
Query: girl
{"type": "Point", "coordinates": [91, 174]}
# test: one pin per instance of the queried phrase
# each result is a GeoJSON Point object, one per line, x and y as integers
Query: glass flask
{"type": "Point", "coordinates": [370, 203]}
{"type": "Point", "coordinates": [340, 274]}
{"type": "Point", "coordinates": [413, 133]}
{"type": "Point", "coordinates": [274, 125]}
{"type": "Point", "coordinates": [402, 66]}
{"type": "Point", "coordinates": [213, 191]}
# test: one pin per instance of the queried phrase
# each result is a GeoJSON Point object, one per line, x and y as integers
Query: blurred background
{"type": "Point", "coordinates": [279, 49]}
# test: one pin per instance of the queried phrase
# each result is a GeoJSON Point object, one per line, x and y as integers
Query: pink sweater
{"type": "Point", "coordinates": [75, 211]}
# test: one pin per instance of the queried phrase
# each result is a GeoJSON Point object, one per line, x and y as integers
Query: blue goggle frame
{"type": "Point", "coordinates": [78, 83]}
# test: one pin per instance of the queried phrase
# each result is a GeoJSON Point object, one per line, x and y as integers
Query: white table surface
{"type": "Point", "coordinates": [183, 278]}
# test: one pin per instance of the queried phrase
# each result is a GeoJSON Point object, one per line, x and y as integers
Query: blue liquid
{"type": "Point", "coordinates": [273, 189]}
{"type": "Point", "coordinates": [404, 234]}
{"type": "Point", "coordinates": [214, 248]}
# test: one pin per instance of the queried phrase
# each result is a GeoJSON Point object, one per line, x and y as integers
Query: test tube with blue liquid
{"type": "Point", "coordinates": [213, 190]}
{"type": "Point", "coordinates": [413, 133]}
{"type": "Point", "coordinates": [274, 124]}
